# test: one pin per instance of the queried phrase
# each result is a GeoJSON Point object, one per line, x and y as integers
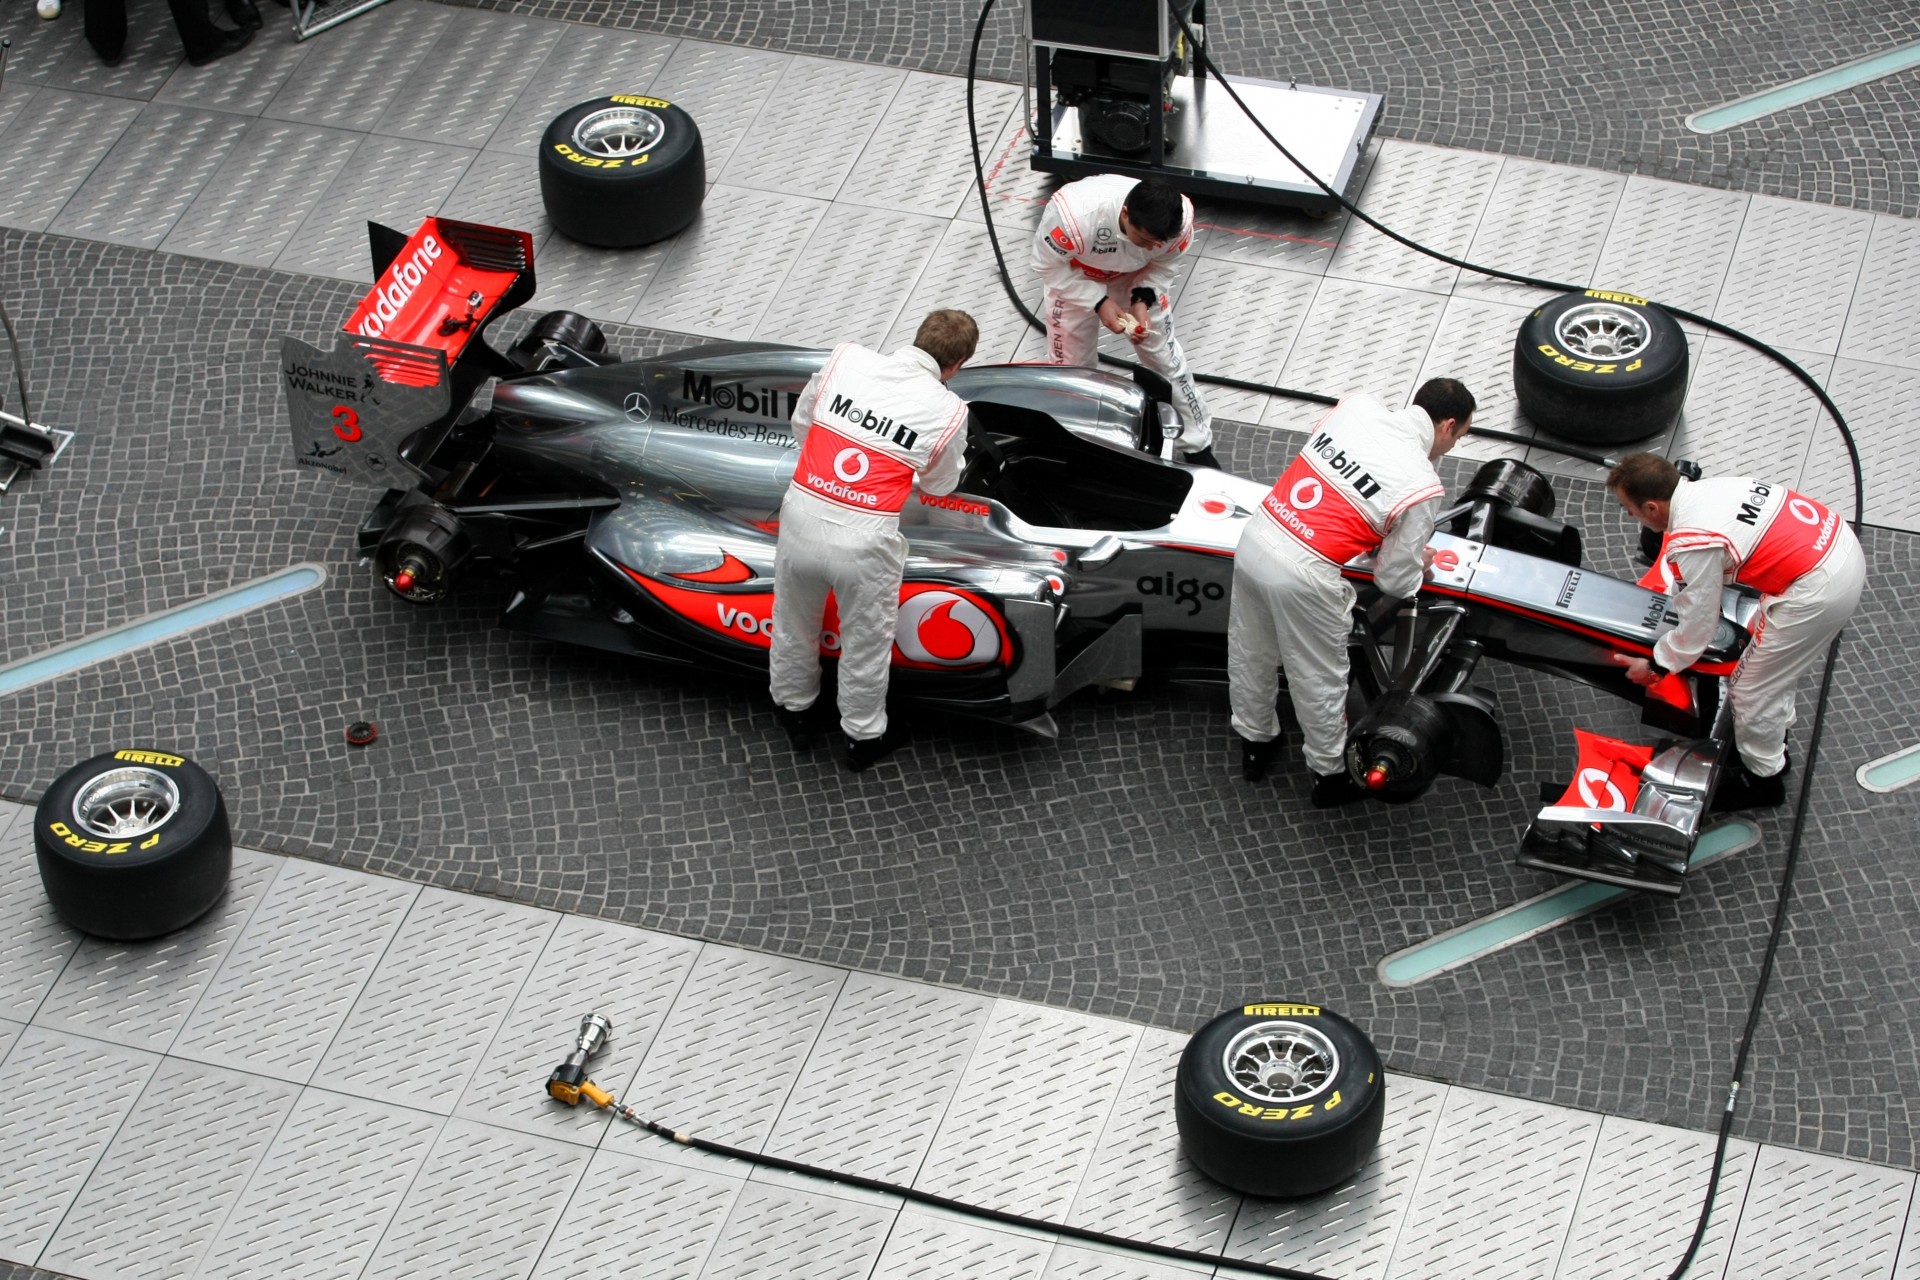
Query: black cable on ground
{"type": "Point", "coordinates": [1788, 871]}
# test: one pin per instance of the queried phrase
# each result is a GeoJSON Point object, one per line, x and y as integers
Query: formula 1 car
{"type": "Point", "coordinates": [634, 505]}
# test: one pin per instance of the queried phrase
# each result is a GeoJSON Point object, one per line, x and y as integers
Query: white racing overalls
{"type": "Point", "coordinates": [1082, 256]}
{"type": "Point", "coordinates": [868, 426]}
{"type": "Point", "coordinates": [1362, 482]}
{"type": "Point", "coordinates": [1809, 569]}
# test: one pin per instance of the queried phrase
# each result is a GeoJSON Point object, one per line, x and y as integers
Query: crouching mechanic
{"type": "Point", "coordinates": [1364, 482]}
{"type": "Point", "coordinates": [1803, 560]}
{"type": "Point", "coordinates": [870, 427]}
{"type": "Point", "coordinates": [1105, 251]}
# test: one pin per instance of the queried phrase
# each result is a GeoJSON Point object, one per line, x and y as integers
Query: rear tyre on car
{"type": "Point", "coordinates": [133, 844]}
{"type": "Point", "coordinates": [1279, 1099]}
{"type": "Point", "coordinates": [1600, 367]}
{"type": "Point", "coordinates": [622, 171]}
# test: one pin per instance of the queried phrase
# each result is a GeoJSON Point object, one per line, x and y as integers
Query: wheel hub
{"type": "Point", "coordinates": [1603, 331]}
{"type": "Point", "coordinates": [1281, 1062]}
{"type": "Point", "coordinates": [619, 133]}
{"type": "Point", "coordinates": [123, 803]}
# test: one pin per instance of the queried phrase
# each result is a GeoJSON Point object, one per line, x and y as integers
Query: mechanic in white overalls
{"type": "Point", "coordinates": [1364, 482]}
{"type": "Point", "coordinates": [1800, 556]}
{"type": "Point", "coordinates": [1105, 250]}
{"type": "Point", "coordinates": [871, 428]}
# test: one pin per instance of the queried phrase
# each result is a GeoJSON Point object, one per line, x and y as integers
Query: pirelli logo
{"type": "Point", "coordinates": [1281, 1010]}
{"type": "Point", "coordinates": [1607, 296]}
{"type": "Point", "coordinates": [635, 100]}
{"type": "Point", "coordinates": [150, 757]}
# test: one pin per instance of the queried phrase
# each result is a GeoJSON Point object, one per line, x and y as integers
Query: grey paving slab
{"type": "Point", "coordinates": [631, 976]}
{"type": "Point", "coordinates": [16, 100]}
{"type": "Point", "coordinates": [723, 88]}
{"type": "Point", "coordinates": [769, 1227]}
{"type": "Point", "coordinates": [47, 1151]}
{"type": "Point", "coordinates": [850, 280]}
{"type": "Point", "coordinates": [1880, 323]}
{"type": "Point", "coordinates": [1813, 1216]}
{"type": "Point", "coordinates": [139, 994]}
{"type": "Point", "coordinates": [34, 944]}
{"type": "Point", "coordinates": [151, 53]}
{"type": "Point", "coordinates": [484, 1202]}
{"type": "Point", "coordinates": [141, 187]}
{"type": "Point", "coordinates": [462, 89]}
{"type": "Point", "coordinates": [1877, 400]}
{"type": "Point", "coordinates": [293, 976]}
{"type": "Point", "coordinates": [38, 49]}
{"type": "Point", "coordinates": [932, 1245]}
{"type": "Point", "coordinates": [502, 189]}
{"type": "Point", "coordinates": [885, 1068]}
{"type": "Point", "coordinates": [919, 159]}
{"type": "Point", "coordinates": [450, 975]}
{"type": "Point", "coordinates": [325, 1191]}
{"type": "Point", "coordinates": [606, 284]}
{"type": "Point", "coordinates": [1357, 337]}
{"type": "Point", "coordinates": [1542, 220]}
{"type": "Point", "coordinates": [396, 182]}
{"type": "Point", "coordinates": [1514, 1170]}
{"type": "Point", "coordinates": [152, 1205]}
{"type": "Point", "coordinates": [1030, 1110]}
{"type": "Point", "coordinates": [1792, 276]}
{"type": "Point", "coordinates": [725, 269]}
{"type": "Point", "coordinates": [1445, 191]}
{"type": "Point", "coordinates": [356, 71]}
{"type": "Point", "coordinates": [585, 63]}
{"type": "Point", "coordinates": [1745, 415]}
{"type": "Point", "coordinates": [255, 201]}
{"type": "Point", "coordinates": [1017, 193]}
{"type": "Point", "coordinates": [1474, 343]}
{"type": "Point", "coordinates": [1351, 1230]}
{"type": "Point", "coordinates": [807, 136]}
{"type": "Point", "coordinates": [1138, 1185]}
{"type": "Point", "coordinates": [240, 85]}
{"type": "Point", "coordinates": [9, 1032]}
{"type": "Point", "coordinates": [638, 1217]}
{"type": "Point", "coordinates": [1639, 1204]}
{"type": "Point", "coordinates": [961, 273]}
{"type": "Point", "coordinates": [45, 154]}
{"type": "Point", "coordinates": [1908, 1264]}
{"type": "Point", "coordinates": [731, 1048]}
{"type": "Point", "coordinates": [1090, 1262]}
{"type": "Point", "coordinates": [1246, 319]}
{"type": "Point", "coordinates": [1671, 243]}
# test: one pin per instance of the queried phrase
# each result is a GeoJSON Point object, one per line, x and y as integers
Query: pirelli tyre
{"type": "Point", "coordinates": [1279, 1099]}
{"type": "Point", "coordinates": [622, 171]}
{"type": "Point", "coordinates": [1600, 367]}
{"type": "Point", "coordinates": [133, 844]}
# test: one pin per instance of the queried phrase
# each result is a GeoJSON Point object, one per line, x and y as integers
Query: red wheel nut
{"type": "Point", "coordinates": [403, 580]}
{"type": "Point", "coordinates": [1376, 777]}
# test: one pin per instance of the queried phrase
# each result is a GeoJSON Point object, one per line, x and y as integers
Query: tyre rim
{"type": "Point", "coordinates": [1281, 1062]}
{"type": "Point", "coordinates": [1603, 331]}
{"type": "Point", "coordinates": [619, 132]}
{"type": "Point", "coordinates": [123, 803]}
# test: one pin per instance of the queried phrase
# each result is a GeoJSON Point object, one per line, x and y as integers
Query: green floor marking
{"type": "Point", "coordinates": [1795, 92]}
{"type": "Point", "coordinates": [1890, 773]}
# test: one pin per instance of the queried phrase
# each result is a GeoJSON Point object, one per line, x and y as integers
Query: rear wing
{"type": "Point", "coordinates": [412, 353]}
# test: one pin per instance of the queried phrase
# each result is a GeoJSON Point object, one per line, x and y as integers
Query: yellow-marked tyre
{"type": "Point", "coordinates": [1600, 367]}
{"type": "Point", "coordinates": [1279, 1099]}
{"type": "Point", "coordinates": [622, 171]}
{"type": "Point", "coordinates": [133, 844]}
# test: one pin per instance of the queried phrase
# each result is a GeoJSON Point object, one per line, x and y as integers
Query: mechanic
{"type": "Point", "coordinates": [1364, 482]}
{"type": "Point", "coordinates": [1798, 554]}
{"type": "Point", "coordinates": [871, 428]}
{"type": "Point", "coordinates": [1105, 250]}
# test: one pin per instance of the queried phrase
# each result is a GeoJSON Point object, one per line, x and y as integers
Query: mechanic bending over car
{"type": "Point", "coordinates": [1363, 482]}
{"type": "Point", "coordinates": [870, 428]}
{"type": "Point", "coordinates": [1799, 555]}
{"type": "Point", "coordinates": [1105, 251]}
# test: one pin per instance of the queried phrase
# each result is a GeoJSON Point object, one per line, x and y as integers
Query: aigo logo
{"type": "Point", "coordinates": [941, 627]}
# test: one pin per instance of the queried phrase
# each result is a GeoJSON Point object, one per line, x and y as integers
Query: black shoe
{"type": "Point", "coordinates": [862, 752]}
{"type": "Point", "coordinates": [1331, 790]}
{"type": "Point", "coordinates": [1255, 757]}
{"type": "Point", "coordinates": [230, 42]}
{"type": "Point", "coordinates": [244, 14]}
{"type": "Point", "coordinates": [798, 724]}
{"type": "Point", "coordinates": [1739, 789]}
{"type": "Point", "coordinates": [1201, 458]}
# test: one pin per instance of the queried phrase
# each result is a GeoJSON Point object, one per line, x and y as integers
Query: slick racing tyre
{"type": "Point", "coordinates": [622, 171]}
{"type": "Point", "coordinates": [1279, 1099]}
{"type": "Point", "coordinates": [1511, 484]}
{"type": "Point", "coordinates": [1600, 367]}
{"type": "Point", "coordinates": [133, 844]}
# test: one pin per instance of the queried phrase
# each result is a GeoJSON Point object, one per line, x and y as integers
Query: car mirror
{"type": "Point", "coordinates": [1100, 552]}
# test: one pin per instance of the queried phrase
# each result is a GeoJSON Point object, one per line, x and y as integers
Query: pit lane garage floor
{"type": "Point", "coordinates": [172, 224]}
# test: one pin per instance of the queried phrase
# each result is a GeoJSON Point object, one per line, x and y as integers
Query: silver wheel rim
{"type": "Point", "coordinates": [619, 132]}
{"type": "Point", "coordinates": [123, 803]}
{"type": "Point", "coordinates": [1280, 1062]}
{"type": "Point", "coordinates": [1603, 331]}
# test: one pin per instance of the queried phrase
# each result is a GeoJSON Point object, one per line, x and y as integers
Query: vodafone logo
{"type": "Point", "coordinates": [1609, 798]}
{"type": "Point", "coordinates": [946, 630]}
{"type": "Point", "coordinates": [1305, 494]}
{"type": "Point", "coordinates": [852, 465]}
{"type": "Point", "coordinates": [1803, 511]}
